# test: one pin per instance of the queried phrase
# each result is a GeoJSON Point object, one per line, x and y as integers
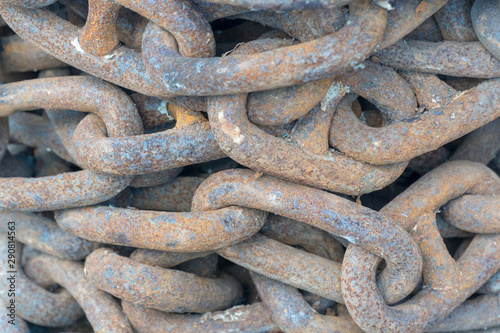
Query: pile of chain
{"type": "Point", "coordinates": [250, 165]}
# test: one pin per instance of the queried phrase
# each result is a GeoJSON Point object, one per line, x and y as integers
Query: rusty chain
{"type": "Point", "coordinates": [250, 166]}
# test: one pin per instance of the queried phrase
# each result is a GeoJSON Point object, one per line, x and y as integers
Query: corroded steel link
{"type": "Point", "coordinates": [446, 230]}
{"type": "Point", "coordinates": [81, 188]}
{"type": "Point", "coordinates": [101, 309]}
{"type": "Point", "coordinates": [123, 67]}
{"type": "Point", "coordinates": [286, 304]}
{"type": "Point", "coordinates": [202, 264]}
{"type": "Point", "coordinates": [417, 205]}
{"type": "Point", "coordinates": [155, 179]}
{"type": "Point", "coordinates": [347, 96]}
{"type": "Point", "coordinates": [190, 142]}
{"type": "Point", "coordinates": [140, 284]}
{"type": "Point", "coordinates": [474, 213]}
{"type": "Point", "coordinates": [271, 107]}
{"type": "Point", "coordinates": [480, 146]}
{"type": "Point", "coordinates": [462, 59]}
{"type": "Point", "coordinates": [189, 27]}
{"type": "Point", "coordinates": [77, 93]}
{"type": "Point", "coordinates": [284, 105]}
{"type": "Point", "coordinates": [282, 67]}
{"type": "Point", "coordinates": [268, 257]}
{"type": "Point", "coordinates": [310, 133]}
{"type": "Point", "coordinates": [65, 123]}
{"type": "Point", "coordinates": [129, 25]}
{"type": "Point", "coordinates": [175, 196]}
{"type": "Point", "coordinates": [430, 91]}
{"type": "Point", "coordinates": [348, 220]}
{"type": "Point", "coordinates": [302, 25]}
{"type": "Point", "coordinates": [283, 4]}
{"type": "Point", "coordinates": [242, 141]}
{"type": "Point", "coordinates": [435, 189]}
{"type": "Point", "coordinates": [311, 239]}
{"type": "Point", "coordinates": [43, 234]}
{"type": "Point", "coordinates": [34, 303]}
{"type": "Point", "coordinates": [180, 232]}
{"type": "Point", "coordinates": [253, 318]}
{"type": "Point", "coordinates": [20, 325]}
{"type": "Point", "coordinates": [289, 265]}
{"type": "Point", "coordinates": [192, 33]}
{"type": "Point", "coordinates": [75, 189]}
{"type": "Point", "coordinates": [454, 20]}
{"type": "Point", "coordinates": [164, 259]}
{"type": "Point", "coordinates": [37, 132]}
{"type": "Point", "coordinates": [18, 55]}
{"type": "Point", "coordinates": [99, 36]}
{"type": "Point", "coordinates": [492, 286]}
{"type": "Point", "coordinates": [405, 17]}
{"type": "Point", "coordinates": [478, 313]}
{"type": "Point", "coordinates": [448, 283]}
{"type": "Point", "coordinates": [153, 111]}
{"type": "Point", "coordinates": [417, 135]}
{"type": "Point", "coordinates": [486, 24]}
{"type": "Point", "coordinates": [369, 28]}
{"type": "Point", "coordinates": [383, 87]}
{"type": "Point", "coordinates": [214, 11]}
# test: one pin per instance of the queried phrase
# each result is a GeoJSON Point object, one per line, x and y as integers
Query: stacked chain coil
{"type": "Point", "coordinates": [250, 166]}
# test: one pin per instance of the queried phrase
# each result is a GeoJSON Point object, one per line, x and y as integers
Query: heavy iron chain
{"type": "Point", "coordinates": [189, 178]}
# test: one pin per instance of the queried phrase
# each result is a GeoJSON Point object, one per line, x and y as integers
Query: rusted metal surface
{"type": "Point", "coordinates": [384, 88]}
{"type": "Point", "coordinates": [454, 20]}
{"type": "Point", "coordinates": [99, 36]}
{"type": "Point", "coordinates": [199, 196]}
{"type": "Point", "coordinates": [416, 135]}
{"type": "Point", "coordinates": [286, 304]}
{"type": "Point", "coordinates": [484, 15]}
{"type": "Point", "coordinates": [249, 319]}
{"type": "Point", "coordinates": [406, 16]}
{"type": "Point", "coordinates": [478, 313]}
{"type": "Point", "coordinates": [174, 196]}
{"type": "Point", "coordinates": [242, 141]}
{"type": "Point", "coordinates": [480, 146]}
{"type": "Point", "coordinates": [34, 303]}
{"type": "Point", "coordinates": [37, 132]}
{"type": "Point", "coordinates": [303, 235]}
{"type": "Point", "coordinates": [43, 234]}
{"type": "Point", "coordinates": [428, 30]}
{"type": "Point", "coordinates": [101, 309]}
{"type": "Point", "coordinates": [474, 213]}
{"type": "Point", "coordinates": [182, 232]}
{"type": "Point", "coordinates": [159, 288]}
{"type": "Point", "coordinates": [190, 142]}
{"type": "Point", "coordinates": [19, 56]}
{"type": "Point", "coordinates": [283, 4]}
{"type": "Point", "coordinates": [349, 221]}
{"type": "Point", "coordinates": [449, 282]}
{"type": "Point", "coordinates": [464, 59]}
{"type": "Point", "coordinates": [282, 67]}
